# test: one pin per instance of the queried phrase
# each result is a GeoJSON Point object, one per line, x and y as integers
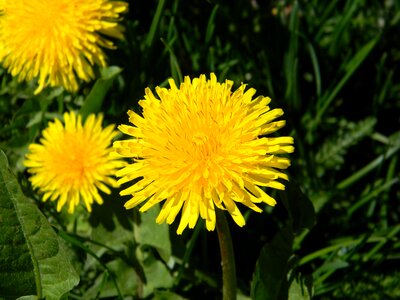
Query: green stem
{"type": "Point", "coordinates": [227, 257]}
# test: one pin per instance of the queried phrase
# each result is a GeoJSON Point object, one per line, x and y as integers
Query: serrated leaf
{"type": "Point", "coordinates": [32, 259]}
{"type": "Point", "coordinates": [332, 152]}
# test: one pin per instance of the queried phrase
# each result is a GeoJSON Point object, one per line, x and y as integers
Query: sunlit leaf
{"type": "Point", "coordinates": [33, 261]}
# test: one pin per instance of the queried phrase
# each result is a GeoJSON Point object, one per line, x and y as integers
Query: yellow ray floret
{"type": "Point", "coordinates": [57, 41]}
{"type": "Point", "coordinates": [73, 161]}
{"type": "Point", "coordinates": [202, 147]}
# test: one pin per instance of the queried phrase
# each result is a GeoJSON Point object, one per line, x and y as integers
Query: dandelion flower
{"type": "Point", "coordinates": [202, 147]}
{"type": "Point", "coordinates": [74, 161]}
{"type": "Point", "coordinates": [57, 41]}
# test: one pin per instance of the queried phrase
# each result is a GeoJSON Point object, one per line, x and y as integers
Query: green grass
{"type": "Point", "coordinates": [334, 69]}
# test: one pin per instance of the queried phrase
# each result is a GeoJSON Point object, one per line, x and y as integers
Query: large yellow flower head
{"type": "Point", "coordinates": [57, 41]}
{"type": "Point", "coordinates": [74, 161]}
{"type": "Point", "coordinates": [202, 146]}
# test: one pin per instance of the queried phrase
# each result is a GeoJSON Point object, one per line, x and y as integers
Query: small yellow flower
{"type": "Point", "coordinates": [57, 41]}
{"type": "Point", "coordinates": [74, 161]}
{"type": "Point", "coordinates": [203, 147]}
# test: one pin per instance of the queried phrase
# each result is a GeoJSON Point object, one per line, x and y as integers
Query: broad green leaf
{"type": "Point", "coordinates": [139, 272]}
{"type": "Point", "coordinates": [76, 241]}
{"type": "Point", "coordinates": [148, 232]}
{"type": "Point", "coordinates": [158, 277]}
{"type": "Point", "coordinates": [270, 276]}
{"type": "Point", "coordinates": [94, 100]}
{"type": "Point", "coordinates": [103, 287]}
{"type": "Point", "coordinates": [111, 222]}
{"type": "Point", "coordinates": [33, 261]}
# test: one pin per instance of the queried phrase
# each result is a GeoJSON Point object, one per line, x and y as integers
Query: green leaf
{"type": "Point", "coordinates": [211, 25]}
{"type": "Point", "coordinates": [104, 287]}
{"type": "Point", "coordinates": [299, 207]}
{"type": "Point", "coordinates": [111, 221]}
{"type": "Point", "coordinates": [166, 295]}
{"type": "Point", "coordinates": [291, 60]}
{"type": "Point", "coordinates": [332, 152]}
{"type": "Point", "coordinates": [394, 147]}
{"type": "Point", "coordinates": [270, 276]}
{"type": "Point", "coordinates": [299, 290]}
{"type": "Point", "coordinates": [154, 24]}
{"type": "Point", "coordinates": [32, 259]}
{"type": "Point", "coordinates": [94, 100]}
{"type": "Point", "coordinates": [158, 277]}
{"type": "Point", "coordinates": [152, 234]}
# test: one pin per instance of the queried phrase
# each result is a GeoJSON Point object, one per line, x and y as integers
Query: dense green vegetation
{"type": "Point", "coordinates": [334, 69]}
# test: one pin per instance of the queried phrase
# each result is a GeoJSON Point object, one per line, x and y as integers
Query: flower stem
{"type": "Point", "coordinates": [227, 257]}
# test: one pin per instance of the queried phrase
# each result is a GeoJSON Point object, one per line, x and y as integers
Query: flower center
{"type": "Point", "coordinates": [71, 162]}
{"type": "Point", "coordinates": [204, 146]}
{"type": "Point", "coordinates": [200, 139]}
{"type": "Point", "coordinates": [201, 146]}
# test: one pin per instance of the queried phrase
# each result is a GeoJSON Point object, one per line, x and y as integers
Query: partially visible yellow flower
{"type": "Point", "coordinates": [74, 161]}
{"type": "Point", "coordinates": [57, 41]}
{"type": "Point", "coordinates": [201, 147]}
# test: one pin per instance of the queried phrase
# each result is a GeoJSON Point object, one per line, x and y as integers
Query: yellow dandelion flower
{"type": "Point", "coordinates": [74, 161]}
{"type": "Point", "coordinates": [57, 41]}
{"type": "Point", "coordinates": [203, 147]}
